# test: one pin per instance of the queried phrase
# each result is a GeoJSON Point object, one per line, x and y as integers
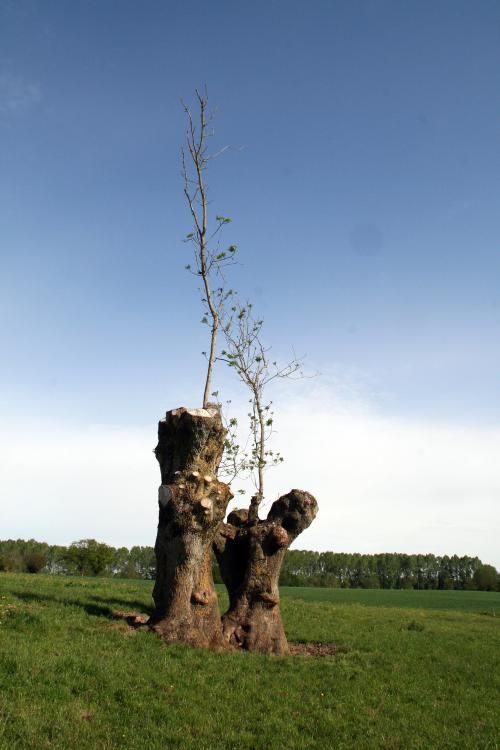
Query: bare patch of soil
{"type": "Point", "coordinates": [313, 649]}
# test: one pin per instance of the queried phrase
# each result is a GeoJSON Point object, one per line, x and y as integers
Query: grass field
{"type": "Point", "coordinates": [413, 670]}
{"type": "Point", "coordinates": [483, 602]}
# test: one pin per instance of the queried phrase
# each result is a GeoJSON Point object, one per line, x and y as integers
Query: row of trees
{"type": "Point", "coordinates": [300, 568]}
{"type": "Point", "coordinates": [86, 557]}
{"type": "Point", "coordinates": [387, 571]}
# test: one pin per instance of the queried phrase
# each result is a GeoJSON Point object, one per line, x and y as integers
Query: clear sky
{"type": "Point", "coordinates": [364, 191]}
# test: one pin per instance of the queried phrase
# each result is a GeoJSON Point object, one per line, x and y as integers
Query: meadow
{"type": "Point", "coordinates": [412, 669]}
{"type": "Point", "coordinates": [482, 602]}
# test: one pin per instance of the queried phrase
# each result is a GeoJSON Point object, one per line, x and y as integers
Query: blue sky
{"type": "Point", "coordinates": [363, 187]}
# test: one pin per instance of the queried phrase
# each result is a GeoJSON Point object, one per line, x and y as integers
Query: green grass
{"type": "Point", "coordinates": [464, 601]}
{"type": "Point", "coordinates": [74, 676]}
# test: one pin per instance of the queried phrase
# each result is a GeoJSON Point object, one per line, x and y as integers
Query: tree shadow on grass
{"type": "Point", "coordinates": [96, 610]}
{"type": "Point", "coordinates": [130, 604]}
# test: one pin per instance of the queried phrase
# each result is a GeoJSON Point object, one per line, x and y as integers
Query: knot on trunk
{"type": "Point", "coordinates": [294, 511]}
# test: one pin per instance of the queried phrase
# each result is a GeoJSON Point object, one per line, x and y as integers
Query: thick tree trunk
{"type": "Point", "coordinates": [192, 504]}
{"type": "Point", "coordinates": [250, 555]}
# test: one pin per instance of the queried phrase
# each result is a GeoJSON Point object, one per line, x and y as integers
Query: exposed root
{"type": "Point", "coordinates": [133, 619]}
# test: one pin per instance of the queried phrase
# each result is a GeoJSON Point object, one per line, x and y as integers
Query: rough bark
{"type": "Point", "coordinates": [250, 554]}
{"type": "Point", "coordinates": [192, 504]}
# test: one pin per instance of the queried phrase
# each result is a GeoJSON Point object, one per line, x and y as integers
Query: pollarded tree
{"type": "Point", "coordinates": [191, 443]}
{"type": "Point", "coordinates": [250, 551]}
{"type": "Point", "coordinates": [192, 502]}
{"type": "Point", "coordinates": [250, 554]}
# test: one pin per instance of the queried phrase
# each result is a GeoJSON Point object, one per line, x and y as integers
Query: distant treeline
{"type": "Point", "coordinates": [387, 571]}
{"type": "Point", "coordinates": [88, 557]}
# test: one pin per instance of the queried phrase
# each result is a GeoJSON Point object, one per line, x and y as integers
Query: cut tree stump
{"type": "Point", "coordinates": [250, 555]}
{"type": "Point", "coordinates": [192, 504]}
